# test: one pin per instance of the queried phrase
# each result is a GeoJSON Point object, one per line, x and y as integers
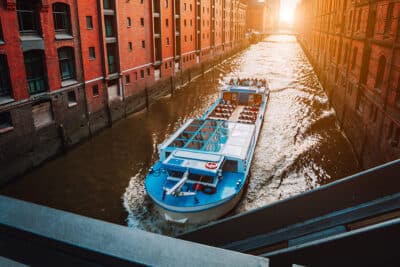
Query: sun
{"type": "Point", "coordinates": [287, 11]}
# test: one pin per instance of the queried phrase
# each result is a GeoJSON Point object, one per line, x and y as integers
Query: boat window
{"type": "Point", "coordinates": [193, 177]}
{"type": "Point", "coordinates": [230, 166]}
{"type": "Point", "coordinates": [175, 174]}
{"type": "Point", "coordinates": [201, 178]}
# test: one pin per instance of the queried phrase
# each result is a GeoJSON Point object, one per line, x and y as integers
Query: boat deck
{"type": "Point", "coordinates": [235, 113]}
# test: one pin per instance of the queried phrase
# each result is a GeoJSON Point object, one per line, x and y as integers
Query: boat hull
{"type": "Point", "coordinates": [200, 217]}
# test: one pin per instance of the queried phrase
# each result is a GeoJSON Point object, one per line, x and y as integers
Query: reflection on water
{"type": "Point", "coordinates": [300, 147]}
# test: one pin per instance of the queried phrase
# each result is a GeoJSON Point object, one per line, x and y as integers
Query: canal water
{"type": "Point", "coordinates": [301, 146]}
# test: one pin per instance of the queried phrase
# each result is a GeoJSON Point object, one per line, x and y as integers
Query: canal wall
{"type": "Point", "coordinates": [358, 68]}
{"type": "Point", "coordinates": [53, 123]}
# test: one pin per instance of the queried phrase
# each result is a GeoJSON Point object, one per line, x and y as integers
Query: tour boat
{"type": "Point", "coordinates": [203, 167]}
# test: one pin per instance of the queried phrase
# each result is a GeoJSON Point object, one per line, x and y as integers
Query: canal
{"type": "Point", "coordinates": [301, 145]}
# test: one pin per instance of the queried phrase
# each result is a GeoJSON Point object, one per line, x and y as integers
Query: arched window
{"type": "Point", "coordinates": [28, 16]}
{"type": "Point", "coordinates": [129, 21]}
{"type": "Point", "coordinates": [67, 63]}
{"type": "Point", "coordinates": [62, 20]}
{"type": "Point", "coordinates": [35, 71]}
{"type": "Point", "coordinates": [5, 87]}
{"type": "Point", "coordinates": [380, 72]}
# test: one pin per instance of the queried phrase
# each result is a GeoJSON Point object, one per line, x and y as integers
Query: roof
{"type": "Point", "coordinates": [212, 137]}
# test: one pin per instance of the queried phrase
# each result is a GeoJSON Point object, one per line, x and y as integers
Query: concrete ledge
{"type": "Point", "coordinates": [37, 235]}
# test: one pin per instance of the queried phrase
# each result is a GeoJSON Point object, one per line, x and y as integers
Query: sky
{"type": "Point", "coordinates": [288, 8]}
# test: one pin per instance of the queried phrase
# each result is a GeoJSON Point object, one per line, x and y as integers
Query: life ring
{"type": "Point", "coordinates": [211, 165]}
{"type": "Point", "coordinates": [209, 190]}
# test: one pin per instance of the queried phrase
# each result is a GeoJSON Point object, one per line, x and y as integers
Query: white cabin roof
{"type": "Point", "coordinates": [210, 138]}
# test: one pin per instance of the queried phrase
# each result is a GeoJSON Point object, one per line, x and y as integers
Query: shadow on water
{"type": "Point", "coordinates": [300, 146]}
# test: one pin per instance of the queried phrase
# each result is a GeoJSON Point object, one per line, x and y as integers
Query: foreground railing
{"type": "Point", "coordinates": [40, 236]}
{"type": "Point", "coordinates": [360, 212]}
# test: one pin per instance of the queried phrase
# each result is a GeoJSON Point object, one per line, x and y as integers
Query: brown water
{"type": "Point", "coordinates": [301, 146]}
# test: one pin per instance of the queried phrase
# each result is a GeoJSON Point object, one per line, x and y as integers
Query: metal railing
{"type": "Point", "coordinates": [334, 210]}
{"type": "Point", "coordinates": [40, 236]}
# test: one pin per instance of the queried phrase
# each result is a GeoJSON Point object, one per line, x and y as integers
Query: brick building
{"type": "Point", "coordinates": [263, 16]}
{"type": "Point", "coordinates": [70, 68]}
{"type": "Point", "coordinates": [355, 47]}
{"type": "Point", "coordinates": [256, 15]}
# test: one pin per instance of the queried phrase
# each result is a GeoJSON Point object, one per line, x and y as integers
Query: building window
{"type": "Point", "coordinates": [28, 16]}
{"type": "Point", "coordinates": [148, 72]}
{"type": "Point", "coordinates": [42, 114]}
{"type": "Point", "coordinates": [67, 63]}
{"type": "Point", "coordinates": [92, 53]}
{"type": "Point", "coordinates": [136, 76]}
{"type": "Point", "coordinates": [166, 3]}
{"type": "Point", "coordinates": [185, 38]}
{"type": "Point", "coordinates": [142, 22]}
{"type": "Point", "coordinates": [129, 22]}
{"type": "Point", "coordinates": [108, 4]}
{"type": "Point", "coordinates": [359, 19]}
{"type": "Point", "coordinates": [184, 22]}
{"type": "Point", "coordinates": [89, 22]}
{"type": "Point", "coordinates": [111, 56]}
{"type": "Point", "coordinates": [166, 65]}
{"type": "Point", "coordinates": [35, 71]}
{"type": "Point", "coordinates": [380, 73]}
{"type": "Point", "coordinates": [95, 90]}
{"type": "Point", "coordinates": [141, 1]}
{"type": "Point", "coordinates": [127, 79]}
{"type": "Point", "coordinates": [61, 16]}
{"type": "Point", "coordinates": [389, 19]}
{"type": "Point", "coordinates": [72, 99]}
{"type": "Point", "coordinates": [184, 6]}
{"type": "Point", "coordinates": [5, 86]}
{"type": "Point", "coordinates": [143, 44]}
{"type": "Point", "coordinates": [130, 46]}
{"type": "Point", "coordinates": [5, 122]}
{"type": "Point", "coordinates": [1, 34]}
{"type": "Point", "coordinates": [353, 61]}
{"type": "Point", "coordinates": [142, 74]}
{"type": "Point", "coordinates": [167, 41]}
{"type": "Point", "coordinates": [109, 24]}
{"type": "Point", "coordinates": [166, 22]}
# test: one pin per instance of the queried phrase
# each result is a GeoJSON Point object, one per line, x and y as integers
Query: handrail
{"type": "Point", "coordinates": [355, 190]}
{"type": "Point", "coordinates": [41, 236]}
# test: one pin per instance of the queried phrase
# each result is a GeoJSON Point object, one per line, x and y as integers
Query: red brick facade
{"type": "Point", "coordinates": [354, 46]}
{"type": "Point", "coordinates": [70, 68]}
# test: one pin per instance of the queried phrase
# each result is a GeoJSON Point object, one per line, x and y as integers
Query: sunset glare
{"type": "Point", "coordinates": [287, 11]}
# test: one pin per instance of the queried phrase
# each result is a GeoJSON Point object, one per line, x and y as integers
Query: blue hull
{"type": "Point", "coordinates": [204, 166]}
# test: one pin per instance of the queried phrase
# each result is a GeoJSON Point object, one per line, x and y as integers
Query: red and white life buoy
{"type": "Point", "coordinates": [211, 165]}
